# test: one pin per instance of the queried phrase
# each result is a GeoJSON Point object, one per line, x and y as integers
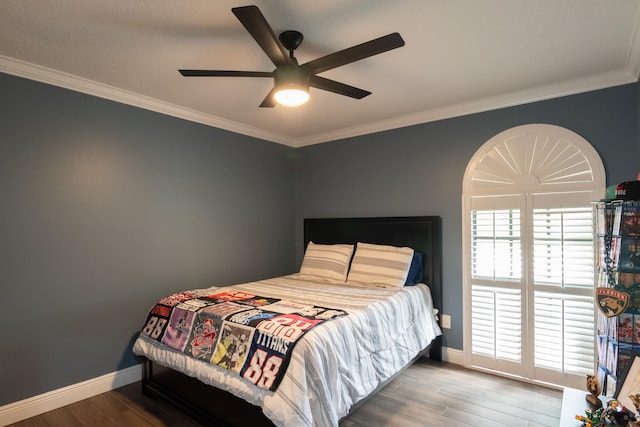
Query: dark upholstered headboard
{"type": "Point", "coordinates": [422, 233]}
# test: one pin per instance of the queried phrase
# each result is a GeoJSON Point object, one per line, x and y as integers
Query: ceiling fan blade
{"type": "Point", "coordinates": [355, 53]}
{"type": "Point", "coordinates": [225, 73]}
{"type": "Point", "coordinates": [269, 101]}
{"type": "Point", "coordinates": [337, 87]}
{"type": "Point", "coordinates": [256, 24]}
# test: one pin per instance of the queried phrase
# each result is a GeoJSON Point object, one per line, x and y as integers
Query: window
{"type": "Point", "coordinates": [496, 310]}
{"type": "Point", "coordinates": [563, 258]}
{"type": "Point", "coordinates": [529, 254]}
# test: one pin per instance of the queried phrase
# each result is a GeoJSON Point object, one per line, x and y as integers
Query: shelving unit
{"type": "Point", "coordinates": [618, 260]}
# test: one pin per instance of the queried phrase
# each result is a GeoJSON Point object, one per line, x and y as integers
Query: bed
{"type": "Point", "coordinates": [354, 337]}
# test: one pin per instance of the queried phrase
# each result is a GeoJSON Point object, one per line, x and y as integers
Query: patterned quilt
{"type": "Point", "coordinates": [245, 333]}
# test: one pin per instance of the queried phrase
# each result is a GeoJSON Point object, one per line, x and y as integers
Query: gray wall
{"type": "Point", "coordinates": [104, 209]}
{"type": "Point", "coordinates": [418, 170]}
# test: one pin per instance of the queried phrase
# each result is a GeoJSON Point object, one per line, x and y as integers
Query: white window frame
{"type": "Point", "coordinates": [536, 161]}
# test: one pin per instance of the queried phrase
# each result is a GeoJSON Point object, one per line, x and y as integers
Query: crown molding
{"type": "Point", "coordinates": [53, 77]}
{"type": "Point", "coordinates": [541, 93]}
{"type": "Point", "coordinates": [68, 81]}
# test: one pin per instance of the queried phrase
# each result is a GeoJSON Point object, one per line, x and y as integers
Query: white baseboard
{"type": "Point", "coordinates": [452, 355]}
{"type": "Point", "coordinates": [36, 405]}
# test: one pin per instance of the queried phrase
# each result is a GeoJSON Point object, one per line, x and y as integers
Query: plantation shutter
{"type": "Point", "coordinates": [563, 287]}
{"type": "Point", "coordinates": [496, 283]}
{"type": "Point", "coordinates": [558, 336]}
{"type": "Point", "coordinates": [496, 256]}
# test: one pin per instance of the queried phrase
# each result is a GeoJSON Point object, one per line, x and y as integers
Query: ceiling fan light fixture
{"type": "Point", "coordinates": [291, 97]}
{"type": "Point", "coordinates": [292, 87]}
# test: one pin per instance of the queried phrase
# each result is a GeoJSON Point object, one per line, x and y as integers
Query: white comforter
{"type": "Point", "coordinates": [334, 365]}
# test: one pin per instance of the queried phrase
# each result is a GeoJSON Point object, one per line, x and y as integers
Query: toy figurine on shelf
{"type": "Point", "coordinates": [635, 398]}
{"type": "Point", "coordinates": [614, 413]}
{"type": "Point", "coordinates": [594, 389]}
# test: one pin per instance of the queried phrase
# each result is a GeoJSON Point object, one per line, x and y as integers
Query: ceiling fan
{"type": "Point", "coordinates": [290, 78]}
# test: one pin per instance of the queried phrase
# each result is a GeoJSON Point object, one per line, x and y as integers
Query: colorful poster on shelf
{"type": "Point", "coordinates": [629, 260]}
{"type": "Point", "coordinates": [625, 327]}
{"type": "Point", "coordinates": [630, 221]}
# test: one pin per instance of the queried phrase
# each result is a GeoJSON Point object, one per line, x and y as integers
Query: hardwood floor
{"type": "Point", "coordinates": [438, 394]}
{"type": "Point", "coordinates": [426, 394]}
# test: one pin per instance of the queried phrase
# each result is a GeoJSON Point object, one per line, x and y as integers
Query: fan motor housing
{"type": "Point", "coordinates": [291, 77]}
{"type": "Point", "coordinates": [291, 39]}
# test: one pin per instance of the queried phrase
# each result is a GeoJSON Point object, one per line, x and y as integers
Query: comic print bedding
{"type": "Point", "coordinates": [333, 365]}
{"type": "Point", "coordinates": [249, 334]}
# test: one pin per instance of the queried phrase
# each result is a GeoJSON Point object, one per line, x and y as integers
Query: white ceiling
{"type": "Point", "coordinates": [460, 57]}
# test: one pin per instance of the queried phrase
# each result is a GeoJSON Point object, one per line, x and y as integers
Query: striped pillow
{"type": "Point", "coordinates": [381, 265]}
{"type": "Point", "coordinates": [328, 261]}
